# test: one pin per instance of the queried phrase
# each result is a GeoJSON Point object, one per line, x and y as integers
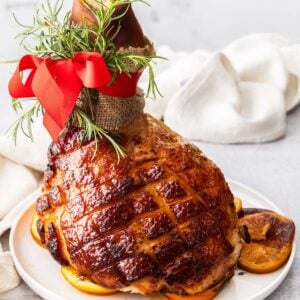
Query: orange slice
{"type": "Point", "coordinates": [238, 205]}
{"type": "Point", "coordinates": [34, 231]}
{"type": "Point", "coordinates": [208, 294]}
{"type": "Point", "coordinates": [83, 284]}
{"type": "Point", "coordinates": [271, 241]}
{"type": "Point", "coordinates": [68, 272]}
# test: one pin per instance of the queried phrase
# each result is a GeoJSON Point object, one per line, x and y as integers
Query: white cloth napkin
{"type": "Point", "coordinates": [21, 166]}
{"type": "Point", "coordinates": [9, 278]}
{"type": "Point", "coordinates": [20, 175]}
{"type": "Point", "coordinates": [240, 94]}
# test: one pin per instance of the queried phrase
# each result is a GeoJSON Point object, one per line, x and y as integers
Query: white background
{"type": "Point", "coordinates": [186, 24]}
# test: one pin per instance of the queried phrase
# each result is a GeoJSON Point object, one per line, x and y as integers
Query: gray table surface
{"type": "Point", "coordinates": [272, 168]}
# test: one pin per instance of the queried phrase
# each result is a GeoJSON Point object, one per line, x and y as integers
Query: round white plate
{"type": "Point", "coordinates": [42, 273]}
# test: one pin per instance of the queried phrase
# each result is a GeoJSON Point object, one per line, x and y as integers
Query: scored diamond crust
{"type": "Point", "coordinates": [162, 219]}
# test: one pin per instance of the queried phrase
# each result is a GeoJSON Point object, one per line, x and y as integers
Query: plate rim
{"type": "Point", "coordinates": [255, 192]}
{"type": "Point", "coordinates": [271, 287]}
{"type": "Point", "coordinates": [37, 287]}
{"type": "Point", "coordinates": [31, 282]}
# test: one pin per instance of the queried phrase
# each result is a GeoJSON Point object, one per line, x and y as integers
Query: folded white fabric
{"type": "Point", "coordinates": [9, 278]}
{"type": "Point", "coordinates": [32, 154]}
{"type": "Point", "coordinates": [214, 106]}
{"type": "Point", "coordinates": [266, 58]}
{"type": "Point", "coordinates": [20, 175]}
{"type": "Point", "coordinates": [16, 183]}
{"type": "Point", "coordinates": [19, 166]}
{"type": "Point", "coordinates": [178, 70]}
{"type": "Point", "coordinates": [238, 95]}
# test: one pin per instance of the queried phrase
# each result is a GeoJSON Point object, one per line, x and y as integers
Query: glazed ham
{"type": "Point", "coordinates": [160, 220]}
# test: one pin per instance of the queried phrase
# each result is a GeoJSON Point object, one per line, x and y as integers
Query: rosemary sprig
{"type": "Point", "coordinates": [26, 119]}
{"type": "Point", "coordinates": [93, 132]}
{"type": "Point", "coordinates": [60, 38]}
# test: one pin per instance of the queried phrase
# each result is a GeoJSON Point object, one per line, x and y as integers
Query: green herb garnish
{"type": "Point", "coordinates": [62, 39]}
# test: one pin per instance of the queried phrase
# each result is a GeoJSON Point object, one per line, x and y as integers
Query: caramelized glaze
{"type": "Point", "coordinates": [162, 219]}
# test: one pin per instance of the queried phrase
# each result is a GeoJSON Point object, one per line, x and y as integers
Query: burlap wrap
{"type": "Point", "coordinates": [113, 113]}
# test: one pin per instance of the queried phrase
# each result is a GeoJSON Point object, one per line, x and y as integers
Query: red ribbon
{"type": "Point", "coordinates": [57, 84]}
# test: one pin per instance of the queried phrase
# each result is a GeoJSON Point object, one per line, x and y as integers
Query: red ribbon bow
{"type": "Point", "coordinates": [57, 84]}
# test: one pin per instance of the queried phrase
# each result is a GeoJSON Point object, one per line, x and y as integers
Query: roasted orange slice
{"type": "Point", "coordinates": [68, 272]}
{"type": "Point", "coordinates": [270, 240]}
{"type": "Point", "coordinates": [83, 284]}
{"type": "Point", "coordinates": [208, 294]}
{"type": "Point", "coordinates": [34, 229]}
{"type": "Point", "coordinates": [238, 205]}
